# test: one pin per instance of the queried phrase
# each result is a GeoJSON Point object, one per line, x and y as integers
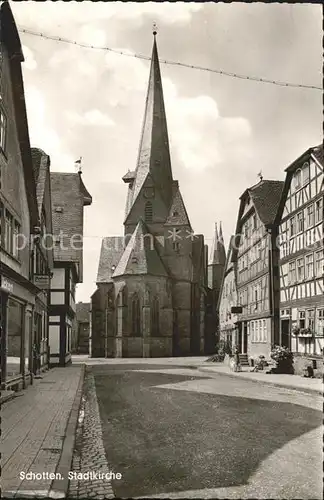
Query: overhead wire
{"type": "Point", "coordinates": [170, 63]}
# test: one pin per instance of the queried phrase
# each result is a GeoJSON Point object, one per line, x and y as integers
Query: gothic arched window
{"type": "Point", "coordinates": [148, 211]}
{"type": "Point", "coordinates": [136, 315]}
{"type": "Point", "coordinates": [155, 316]}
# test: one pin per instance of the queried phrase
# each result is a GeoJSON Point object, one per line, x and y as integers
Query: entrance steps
{"type": "Point", "coordinates": [244, 360]}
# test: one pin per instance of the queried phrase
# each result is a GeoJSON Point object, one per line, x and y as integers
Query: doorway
{"type": "Point", "coordinates": [245, 338]}
{"type": "Point", "coordinates": [285, 337]}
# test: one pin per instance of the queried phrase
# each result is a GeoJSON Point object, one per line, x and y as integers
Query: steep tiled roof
{"type": "Point", "coordinates": [68, 200]}
{"type": "Point", "coordinates": [112, 248]}
{"type": "Point", "coordinates": [178, 214]}
{"type": "Point", "coordinates": [318, 153]}
{"type": "Point", "coordinates": [82, 312]}
{"type": "Point", "coordinates": [140, 255]}
{"type": "Point", "coordinates": [266, 197]}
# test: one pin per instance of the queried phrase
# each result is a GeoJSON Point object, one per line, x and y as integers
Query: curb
{"type": "Point", "coordinates": [4, 398]}
{"type": "Point", "coordinates": [59, 488]}
{"type": "Point", "coordinates": [265, 382]}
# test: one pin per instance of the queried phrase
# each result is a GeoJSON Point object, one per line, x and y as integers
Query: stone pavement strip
{"type": "Point", "coordinates": [37, 434]}
{"type": "Point", "coordinates": [294, 382]}
{"type": "Point", "coordinates": [89, 453]}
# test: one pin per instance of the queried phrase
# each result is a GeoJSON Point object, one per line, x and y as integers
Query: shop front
{"type": "Point", "coordinates": [17, 312]}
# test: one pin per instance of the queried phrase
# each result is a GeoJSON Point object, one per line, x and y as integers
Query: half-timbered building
{"type": "Point", "coordinates": [228, 301]}
{"type": "Point", "coordinates": [19, 218]}
{"type": "Point", "coordinates": [42, 260]}
{"type": "Point", "coordinates": [256, 255]}
{"type": "Point", "coordinates": [300, 218]}
{"type": "Point", "coordinates": [69, 197]}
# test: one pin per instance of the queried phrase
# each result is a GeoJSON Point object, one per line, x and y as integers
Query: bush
{"type": "Point", "coordinates": [284, 359]}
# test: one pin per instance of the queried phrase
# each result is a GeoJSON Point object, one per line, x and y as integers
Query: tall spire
{"type": "Point", "coordinates": [218, 254]}
{"type": "Point", "coordinates": [154, 154]}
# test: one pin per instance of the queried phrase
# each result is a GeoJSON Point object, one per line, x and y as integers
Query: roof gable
{"type": "Point", "coordinates": [178, 214]}
{"type": "Point", "coordinates": [140, 255]}
{"type": "Point", "coordinates": [112, 248]}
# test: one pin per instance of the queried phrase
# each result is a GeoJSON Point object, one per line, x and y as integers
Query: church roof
{"type": "Point", "coordinates": [140, 255]}
{"type": "Point", "coordinates": [154, 153]}
{"type": "Point", "coordinates": [266, 197]}
{"type": "Point", "coordinates": [112, 248]}
{"type": "Point", "coordinates": [178, 214]}
{"type": "Point", "coordinates": [217, 254]}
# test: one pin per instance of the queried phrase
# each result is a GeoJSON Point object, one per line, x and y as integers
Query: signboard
{"type": "Point", "coordinates": [236, 310]}
{"type": "Point", "coordinates": [42, 280]}
{"type": "Point", "coordinates": [6, 285]}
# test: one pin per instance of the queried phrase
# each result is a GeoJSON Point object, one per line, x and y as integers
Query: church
{"type": "Point", "coordinates": [152, 283]}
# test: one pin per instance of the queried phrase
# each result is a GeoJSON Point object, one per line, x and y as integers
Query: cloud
{"type": "Point", "coordinates": [52, 15]}
{"type": "Point", "coordinates": [199, 135]}
{"type": "Point", "coordinates": [42, 135]}
{"type": "Point", "coordinates": [30, 62]}
{"type": "Point", "coordinates": [94, 118]}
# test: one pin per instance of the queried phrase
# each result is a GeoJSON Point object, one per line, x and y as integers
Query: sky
{"type": "Point", "coordinates": [222, 130]}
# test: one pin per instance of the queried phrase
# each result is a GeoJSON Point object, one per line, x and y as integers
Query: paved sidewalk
{"type": "Point", "coordinates": [37, 433]}
{"type": "Point", "coordinates": [296, 382]}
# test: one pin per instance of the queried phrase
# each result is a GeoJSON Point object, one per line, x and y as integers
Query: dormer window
{"type": "Point", "coordinates": [134, 260]}
{"type": "Point", "coordinates": [58, 210]}
{"type": "Point", "coordinates": [113, 267]}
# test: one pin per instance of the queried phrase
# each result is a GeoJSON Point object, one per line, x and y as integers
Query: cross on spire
{"type": "Point", "coordinates": [154, 29]}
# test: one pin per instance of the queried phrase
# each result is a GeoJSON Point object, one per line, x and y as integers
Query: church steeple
{"type": "Point", "coordinates": [217, 254]}
{"type": "Point", "coordinates": [154, 154]}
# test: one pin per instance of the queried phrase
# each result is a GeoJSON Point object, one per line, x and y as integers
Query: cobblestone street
{"type": "Point", "coordinates": [33, 431]}
{"type": "Point", "coordinates": [89, 454]}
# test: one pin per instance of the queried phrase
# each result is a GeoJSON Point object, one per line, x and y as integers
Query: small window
{"type": "Point", "coordinates": [58, 210]}
{"type": "Point", "coordinates": [176, 246]}
{"type": "Point", "coordinates": [175, 213]}
{"type": "Point", "coordinates": [297, 178]}
{"type": "Point", "coordinates": [148, 212]}
{"type": "Point", "coordinates": [319, 210]}
{"type": "Point", "coordinates": [306, 173]}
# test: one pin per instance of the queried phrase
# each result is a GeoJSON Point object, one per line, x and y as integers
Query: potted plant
{"type": "Point", "coordinates": [284, 359]}
{"type": "Point", "coordinates": [295, 330]}
{"type": "Point", "coordinates": [306, 332]}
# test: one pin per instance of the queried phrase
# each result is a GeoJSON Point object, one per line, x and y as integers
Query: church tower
{"type": "Point", "coordinates": [216, 267]}
{"type": "Point", "coordinates": [157, 280]}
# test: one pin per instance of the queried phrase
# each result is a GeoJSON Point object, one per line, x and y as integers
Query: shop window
{"type": "Point", "coordinates": [14, 337]}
